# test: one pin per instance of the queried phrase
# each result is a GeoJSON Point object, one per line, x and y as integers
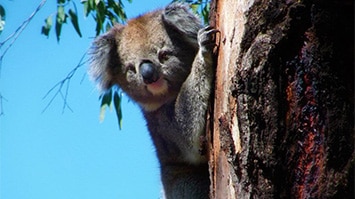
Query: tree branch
{"type": "Point", "coordinates": [2, 98]}
{"type": "Point", "coordinates": [13, 37]}
{"type": "Point", "coordinates": [62, 87]}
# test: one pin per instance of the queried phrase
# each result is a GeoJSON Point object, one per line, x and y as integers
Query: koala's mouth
{"type": "Point", "coordinates": [158, 87]}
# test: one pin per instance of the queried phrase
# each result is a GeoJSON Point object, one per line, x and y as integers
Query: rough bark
{"type": "Point", "coordinates": [283, 115]}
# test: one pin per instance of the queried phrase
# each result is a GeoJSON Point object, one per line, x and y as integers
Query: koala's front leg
{"type": "Point", "coordinates": [192, 101]}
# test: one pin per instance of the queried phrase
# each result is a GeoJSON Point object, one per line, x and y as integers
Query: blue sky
{"type": "Point", "coordinates": [70, 155]}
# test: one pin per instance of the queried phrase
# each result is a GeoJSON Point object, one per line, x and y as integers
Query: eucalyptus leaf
{"type": "Point", "coordinates": [194, 7]}
{"type": "Point", "coordinates": [61, 1]}
{"type": "Point", "coordinates": [117, 104]}
{"type": "Point", "coordinates": [2, 12]}
{"type": "Point", "coordinates": [106, 100]}
{"type": "Point", "coordinates": [205, 12]}
{"type": "Point", "coordinates": [92, 4]}
{"type": "Point", "coordinates": [74, 20]}
{"type": "Point", "coordinates": [2, 18]}
{"type": "Point", "coordinates": [58, 28]}
{"type": "Point", "coordinates": [48, 25]}
{"type": "Point", "coordinates": [61, 14]}
{"type": "Point", "coordinates": [99, 25]}
{"type": "Point", "coordinates": [86, 8]}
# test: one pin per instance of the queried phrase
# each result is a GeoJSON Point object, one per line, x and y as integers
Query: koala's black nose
{"type": "Point", "coordinates": [149, 72]}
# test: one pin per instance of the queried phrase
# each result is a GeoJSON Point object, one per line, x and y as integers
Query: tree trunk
{"type": "Point", "coordinates": [282, 124]}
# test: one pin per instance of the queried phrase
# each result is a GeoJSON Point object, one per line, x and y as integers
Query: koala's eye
{"type": "Point", "coordinates": [163, 55]}
{"type": "Point", "coordinates": [130, 68]}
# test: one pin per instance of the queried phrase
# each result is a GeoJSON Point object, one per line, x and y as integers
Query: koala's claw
{"type": "Point", "coordinates": [207, 38]}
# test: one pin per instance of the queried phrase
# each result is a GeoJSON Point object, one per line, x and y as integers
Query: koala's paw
{"type": "Point", "coordinates": [207, 39]}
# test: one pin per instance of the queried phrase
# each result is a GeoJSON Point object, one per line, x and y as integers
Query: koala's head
{"type": "Point", "coordinates": [150, 57]}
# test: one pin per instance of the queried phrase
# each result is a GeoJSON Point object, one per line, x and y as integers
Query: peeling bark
{"type": "Point", "coordinates": [283, 115]}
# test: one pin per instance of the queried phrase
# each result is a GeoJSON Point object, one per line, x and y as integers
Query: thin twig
{"type": "Point", "coordinates": [2, 99]}
{"type": "Point", "coordinates": [58, 88]}
{"type": "Point", "coordinates": [13, 37]}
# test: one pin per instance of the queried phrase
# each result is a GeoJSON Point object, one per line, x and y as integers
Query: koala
{"type": "Point", "coordinates": [163, 61]}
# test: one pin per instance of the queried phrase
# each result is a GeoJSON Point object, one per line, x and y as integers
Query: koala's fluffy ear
{"type": "Point", "coordinates": [179, 17]}
{"type": "Point", "coordinates": [104, 58]}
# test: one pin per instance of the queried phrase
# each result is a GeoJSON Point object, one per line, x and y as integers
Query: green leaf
{"type": "Point", "coordinates": [117, 104]}
{"type": "Point", "coordinates": [2, 12]}
{"type": "Point", "coordinates": [61, 1]}
{"type": "Point", "coordinates": [121, 13]}
{"type": "Point", "coordinates": [113, 18]}
{"type": "Point", "coordinates": [110, 3]}
{"type": "Point", "coordinates": [115, 6]}
{"type": "Point", "coordinates": [48, 25]}
{"type": "Point", "coordinates": [2, 18]}
{"type": "Point", "coordinates": [100, 17]}
{"type": "Point", "coordinates": [98, 25]}
{"type": "Point", "coordinates": [87, 8]}
{"type": "Point", "coordinates": [105, 102]}
{"type": "Point", "coordinates": [205, 13]}
{"type": "Point", "coordinates": [61, 14]}
{"type": "Point", "coordinates": [101, 10]}
{"type": "Point", "coordinates": [74, 20]}
{"type": "Point", "coordinates": [98, 1]}
{"type": "Point", "coordinates": [194, 7]}
{"type": "Point", "coordinates": [58, 29]}
{"type": "Point", "coordinates": [92, 4]}
{"type": "Point", "coordinates": [60, 19]}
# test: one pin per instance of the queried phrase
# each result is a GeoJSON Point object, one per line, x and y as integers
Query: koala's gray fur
{"type": "Point", "coordinates": [162, 60]}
